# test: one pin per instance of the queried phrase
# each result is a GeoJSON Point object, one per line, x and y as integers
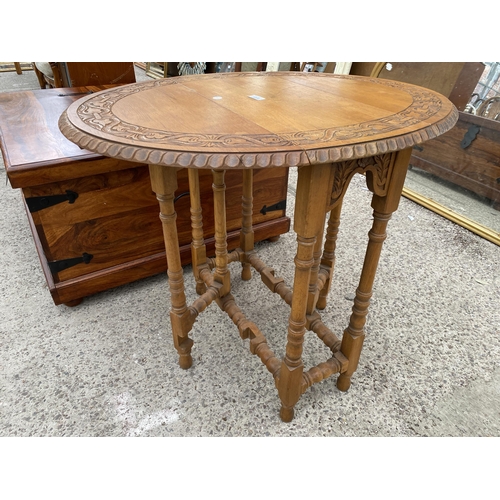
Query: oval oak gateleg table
{"type": "Point", "coordinates": [329, 127]}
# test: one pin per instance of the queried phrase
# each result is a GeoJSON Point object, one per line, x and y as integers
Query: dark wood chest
{"type": "Point", "coordinates": [95, 220]}
{"type": "Point", "coordinates": [467, 155]}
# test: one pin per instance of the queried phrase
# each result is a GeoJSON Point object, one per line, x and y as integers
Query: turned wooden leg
{"type": "Point", "coordinates": [383, 207]}
{"type": "Point", "coordinates": [221, 273]}
{"type": "Point", "coordinates": [313, 188]}
{"type": "Point", "coordinates": [246, 234]}
{"type": "Point", "coordinates": [164, 184]}
{"type": "Point", "coordinates": [352, 341]}
{"type": "Point", "coordinates": [198, 248]}
{"type": "Point", "coordinates": [328, 258]}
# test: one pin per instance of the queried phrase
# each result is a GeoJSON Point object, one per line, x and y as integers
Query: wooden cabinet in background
{"type": "Point", "coordinates": [455, 80]}
{"type": "Point", "coordinates": [468, 155]}
{"type": "Point", "coordinates": [94, 219]}
{"type": "Point", "coordinates": [81, 74]}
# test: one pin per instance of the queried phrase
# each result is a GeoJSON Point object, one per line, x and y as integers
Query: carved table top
{"type": "Point", "coordinates": [256, 120]}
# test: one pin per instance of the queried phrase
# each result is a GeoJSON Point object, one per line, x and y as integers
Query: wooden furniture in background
{"type": "Point", "coordinates": [468, 155]}
{"type": "Point", "coordinates": [449, 156]}
{"type": "Point", "coordinates": [48, 74]}
{"type": "Point", "coordinates": [94, 219]}
{"type": "Point", "coordinates": [455, 80]}
{"type": "Point", "coordinates": [81, 74]}
{"type": "Point", "coordinates": [99, 73]}
{"type": "Point", "coordinates": [328, 126]}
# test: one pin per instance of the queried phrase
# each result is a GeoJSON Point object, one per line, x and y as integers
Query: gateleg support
{"type": "Point", "coordinates": [221, 273]}
{"type": "Point", "coordinates": [328, 258]}
{"type": "Point", "coordinates": [383, 207]}
{"type": "Point", "coordinates": [247, 233]}
{"type": "Point", "coordinates": [198, 248]}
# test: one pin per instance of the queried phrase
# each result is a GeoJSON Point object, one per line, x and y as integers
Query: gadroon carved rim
{"type": "Point", "coordinates": [159, 148]}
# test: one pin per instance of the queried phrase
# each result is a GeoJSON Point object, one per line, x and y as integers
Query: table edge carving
{"type": "Point", "coordinates": [218, 160]}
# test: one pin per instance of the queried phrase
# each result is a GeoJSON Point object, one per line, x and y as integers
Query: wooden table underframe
{"type": "Point", "coordinates": [314, 264]}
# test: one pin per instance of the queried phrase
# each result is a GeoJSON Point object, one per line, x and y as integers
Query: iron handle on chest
{"type": "Point", "coordinates": [281, 205]}
{"type": "Point", "coordinates": [37, 203]}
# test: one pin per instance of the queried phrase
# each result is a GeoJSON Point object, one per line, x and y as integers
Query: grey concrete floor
{"type": "Point", "coordinates": [430, 364]}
